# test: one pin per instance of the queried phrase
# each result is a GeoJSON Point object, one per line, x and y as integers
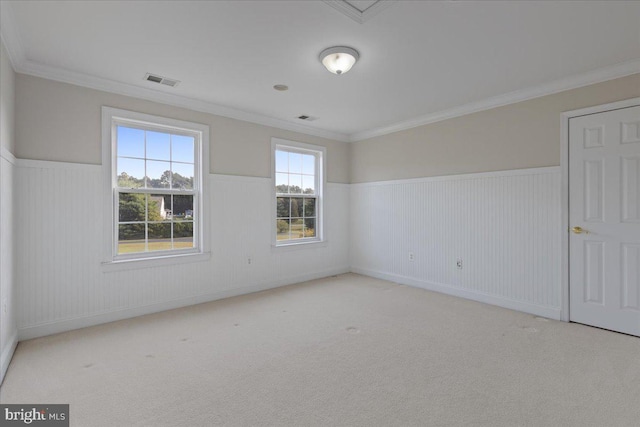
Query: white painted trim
{"type": "Point", "coordinates": [339, 184]}
{"type": "Point", "coordinates": [567, 83]}
{"type": "Point", "coordinates": [227, 177]}
{"type": "Point", "coordinates": [83, 322]}
{"type": "Point", "coordinates": [7, 355]}
{"type": "Point", "coordinates": [8, 156]}
{"type": "Point", "coordinates": [538, 310]}
{"type": "Point", "coordinates": [564, 166]}
{"type": "Point", "coordinates": [631, 102]}
{"type": "Point", "coordinates": [466, 176]}
{"type": "Point", "coordinates": [10, 38]}
{"type": "Point", "coordinates": [355, 14]}
{"type": "Point", "coordinates": [158, 261]}
{"type": "Point", "coordinates": [315, 244]}
{"type": "Point", "coordinates": [112, 86]}
{"type": "Point", "coordinates": [9, 347]}
{"type": "Point", "coordinates": [320, 154]}
{"type": "Point", "coordinates": [52, 164]}
{"type": "Point", "coordinates": [200, 132]}
{"type": "Point", "coordinates": [564, 218]}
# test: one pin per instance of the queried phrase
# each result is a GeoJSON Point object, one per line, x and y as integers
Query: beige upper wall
{"type": "Point", "coordinates": [61, 122]}
{"type": "Point", "coordinates": [516, 136]}
{"type": "Point", "coordinates": [7, 101]}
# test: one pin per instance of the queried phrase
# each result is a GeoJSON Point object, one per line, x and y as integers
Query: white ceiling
{"type": "Point", "coordinates": [420, 60]}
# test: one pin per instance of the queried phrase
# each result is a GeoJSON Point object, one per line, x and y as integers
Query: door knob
{"type": "Point", "coordinates": [579, 230]}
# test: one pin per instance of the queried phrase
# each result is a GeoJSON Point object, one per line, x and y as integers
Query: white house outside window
{"type": "Point", "coordinates": [298, 192]}
{"type": "Point", "coordinates": [154, 169]}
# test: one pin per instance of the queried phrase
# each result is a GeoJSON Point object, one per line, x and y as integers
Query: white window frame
{"type": "Point", "coordinates": [320, 154]}
{"type": "Point", "coordinates": [111, 118]}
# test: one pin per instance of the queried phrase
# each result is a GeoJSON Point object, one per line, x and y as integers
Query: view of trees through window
{"type": "Point", "coordinates": [155, 190]}
{"type": "Point", "coordinates": [296, 195]}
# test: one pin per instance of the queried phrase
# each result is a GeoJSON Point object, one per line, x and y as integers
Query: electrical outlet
{"type": "Point", "coordinates": [411, 257]}
{"type": "Point", "coordinates": [459, 263]}
{"type": "Point", "coordinates": [249, 260]}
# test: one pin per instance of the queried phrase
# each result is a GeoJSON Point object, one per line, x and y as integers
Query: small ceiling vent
{"type": "Point", "coordinates": [162, 80]}
{"type": "Point", "coordinates": [307, 118]}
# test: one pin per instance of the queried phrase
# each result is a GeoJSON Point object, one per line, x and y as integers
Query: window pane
{"type": "Point", "coordinates": [159, 207]}
{"type": "Point", "coordinates": [130, 142]}
{"type": "Point", "coordinates": [309, 207]}
{"type": "Point", "coordinates": [159, 237]}
{"type": "Point", "coordinates": [282, 161]}
{"type": "Point", "coordinates": [182, 177]}
{"type": "Point", "coordinates": [308, 164]}
{"type": "Point", "coordinates": [296, 207]}
{"type": "Point", "coordinates": [282, 227]}
{"type": "Point", "coordinates": [295, 184]}
{"type": "Point", "coordinates": [297, 191]}
{"type": "Point", "coordinates": [183, 235]}
{"type": "Point", "coordinates": [183, 208]}
{"type": "Point", "coordinates": [297, 228]}
{"type": "Point", "coordinates": [130, 238]}
{"type": "Point", "coordinates": [158, 174]}
{"type": "Point", "coordinates": [158, 146]}
{"type": "Point", "coordinates": [131, 207]}
{"type": "Point", "coordinates": [295, 163]}
{"type": "Point", "coordinates": [130, 173]}
{"type": "Point", "coordinates": [282, 183]}
{"type": "Point", "coordinates": [309, 227]}
{"type": "Point", "coordinates": [283, 205]}
{"type": "Point", "coordinates": [182, 148]}
{"type": "Point", "coordinates": [308, 184]}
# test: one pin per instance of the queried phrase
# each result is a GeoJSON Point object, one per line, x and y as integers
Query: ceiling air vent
{"type": "Point", "coordinates": [162, 80]}
{"type": "Point", "coordinates": [307, 118]}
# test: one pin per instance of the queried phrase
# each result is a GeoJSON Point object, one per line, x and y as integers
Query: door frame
{"type": "Point", "coordinates": [564, 202]}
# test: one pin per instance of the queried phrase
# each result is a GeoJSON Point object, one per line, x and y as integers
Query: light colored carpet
{"type": "Point", "coordinates": [346, 350]}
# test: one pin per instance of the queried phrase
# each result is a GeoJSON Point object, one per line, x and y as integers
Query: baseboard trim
{"type": "Point", "coordinates": [538, 310]}
{"type": "Point", "coordinates": [51, 328]}
{"type": "Point", "coordinates": [7, 355]}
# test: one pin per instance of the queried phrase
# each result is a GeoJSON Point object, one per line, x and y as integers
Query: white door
{"type": "Point", "coordinates": [604, 201]}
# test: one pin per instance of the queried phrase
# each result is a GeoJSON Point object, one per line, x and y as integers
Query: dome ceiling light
{"type": "Point", "coordinates": [339, 59]}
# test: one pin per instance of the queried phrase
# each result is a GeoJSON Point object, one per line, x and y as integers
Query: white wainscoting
{"type": "Point", "coordinates": [62, 284]}
{"type": "Point", "coordinates": [8, 295]}
{"type": "Point", "coordinates": [504, 226]}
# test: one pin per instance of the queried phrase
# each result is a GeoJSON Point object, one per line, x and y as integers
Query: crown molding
{"type": "Point", "coordinates": [20, 63]}
{"type": "Point", "coordinates": [99, 83]}
{"type": "Point", "coordinates": [354, 13]}
{"type": "Point", "coordinates": [591, 77]}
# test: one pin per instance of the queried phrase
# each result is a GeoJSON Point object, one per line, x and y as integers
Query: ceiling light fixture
{"type": "Point", "coordinates": [339, 59]}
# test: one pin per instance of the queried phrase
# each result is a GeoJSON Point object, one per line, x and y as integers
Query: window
{"type": "Point", "coordinates": [154, 168]}
{"type": "Point", "coordinates": [297, 184]}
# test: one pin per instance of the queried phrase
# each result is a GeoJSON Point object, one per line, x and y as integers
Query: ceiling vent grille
{"type": "Point", "coordinates": [162, 80]}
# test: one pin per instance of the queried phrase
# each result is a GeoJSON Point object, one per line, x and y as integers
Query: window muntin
{"type": "Point", "coordinates": [156, 185]}
{"type": "Point", "coordinates": [298, 194]}
{"type": "Point", "coordinates": [155, 190]}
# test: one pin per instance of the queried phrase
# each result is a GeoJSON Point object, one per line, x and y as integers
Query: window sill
{"type": "Point", "coordinates": [298, 246]}
{"type": "Point", "coordinates": [134, 264]}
